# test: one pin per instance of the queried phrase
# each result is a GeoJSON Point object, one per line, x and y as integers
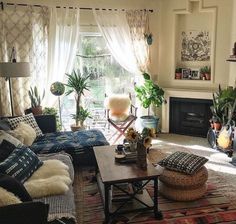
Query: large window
{"type": "Point", "coordinates": [106, 77]}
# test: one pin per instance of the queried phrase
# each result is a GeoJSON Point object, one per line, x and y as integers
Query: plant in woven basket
{"type": "Point", "coordinates": [36, 100]}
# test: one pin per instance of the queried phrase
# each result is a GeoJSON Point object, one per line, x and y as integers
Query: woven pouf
{"type": "Point", "coordinates": [182, 187]}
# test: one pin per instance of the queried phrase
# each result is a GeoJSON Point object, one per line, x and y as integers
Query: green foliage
{"type": "Point", "coordinates": [53, 111]}
{"type": "Point", "coordinates": [77, 84]}
{"type": "Point", "coordinates": [205, 70]}
{"type": "Point", "coordinates": [35, 97]}
{"type": "Point", "coordinates": [150, 93]}
{"type": "Point", "coordinates": [223, 108]}
{"type": "Point", "coordinates": [81, 115]}
{"type": "Point", "coordinates": [178, 70]}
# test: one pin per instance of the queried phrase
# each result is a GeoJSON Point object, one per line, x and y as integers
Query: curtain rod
{"type": "Point", "coordinates": [83, 8]}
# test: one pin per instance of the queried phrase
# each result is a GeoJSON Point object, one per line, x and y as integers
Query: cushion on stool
{"type": "Point", "coordinates": [183, 181]}
{"type": "Point", "coordinates": [182, 194]}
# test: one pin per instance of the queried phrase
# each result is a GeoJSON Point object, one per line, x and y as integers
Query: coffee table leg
{"type": "Point", "coordinates": [106, 203]}
{"type": "Point", "coordinates": [157, 212]}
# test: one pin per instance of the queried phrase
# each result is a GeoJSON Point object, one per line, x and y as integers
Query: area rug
{"type": "Point", "coordinates": [213, 208]}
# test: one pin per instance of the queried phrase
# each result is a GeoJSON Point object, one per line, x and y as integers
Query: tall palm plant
{"type": "Point", "coordinates": [77, 84]}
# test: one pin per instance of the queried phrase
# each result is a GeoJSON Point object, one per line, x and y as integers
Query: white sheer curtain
{"type": "Point", "coordinates": [115, 29]}
{"type": "Point", "coordinates": [63, 43]}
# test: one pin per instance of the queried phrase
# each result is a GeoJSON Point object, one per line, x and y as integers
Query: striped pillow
{"type": "Point", "coordinates": [20, 164]}
{"type": "Point", "coordinates": [183, 162]}
{"type": "Point", "coordinates": [28, 119]}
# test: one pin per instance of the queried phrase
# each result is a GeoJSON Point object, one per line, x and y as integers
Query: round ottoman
{"type": "Point", "coordinates": [182, 187]}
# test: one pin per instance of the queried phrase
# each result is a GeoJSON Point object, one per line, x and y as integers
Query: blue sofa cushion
{"type": "Point", "coordinates": [20, 164]}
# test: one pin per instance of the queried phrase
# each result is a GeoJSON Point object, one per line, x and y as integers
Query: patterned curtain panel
{"type": "Point", "coordinates": [26, 29]}
{"type": "Point", "coordinates": [138, 23]}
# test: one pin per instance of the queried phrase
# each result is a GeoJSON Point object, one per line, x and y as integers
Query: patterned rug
{"type": "Point", "coordinates": [214, 207]}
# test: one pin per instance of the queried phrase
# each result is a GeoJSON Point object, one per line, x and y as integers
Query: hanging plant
{"type": "Point", "coordinates": [148, 37]}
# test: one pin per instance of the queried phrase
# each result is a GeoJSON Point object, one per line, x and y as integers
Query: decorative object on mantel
{"type": "Point", "coordinates": [232, 57]}
{"type": "Point", "coordinates": [178, 73]}
{"type": "Point", "coordinates": [206, 73]}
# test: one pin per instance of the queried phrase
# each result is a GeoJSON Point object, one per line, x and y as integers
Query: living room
{"type": "Point", "coordinates": [184, 50]}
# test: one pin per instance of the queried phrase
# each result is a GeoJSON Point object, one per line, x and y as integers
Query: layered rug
{"type": "Point", "coordinates": [217, 206]}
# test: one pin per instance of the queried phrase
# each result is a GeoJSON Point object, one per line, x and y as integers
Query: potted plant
{"type": "Point", "coordinates": [149, 94]}
{"type": "Point", "coordinates": [178, 73]}
{"type": "Point", "coordinates": [77, 84]}
{"type": "Point", "coordinates": [53, 111]}
{"type": "Point", "coordinates": [206, 72]}
{"type": "Point", "coordinates": [36, 100]}
{"type": "Point", "coordinates": [82, 115]}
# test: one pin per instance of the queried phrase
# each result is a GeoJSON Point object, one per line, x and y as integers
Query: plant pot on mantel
{"type": "Point", "coordinates": [149, 122]}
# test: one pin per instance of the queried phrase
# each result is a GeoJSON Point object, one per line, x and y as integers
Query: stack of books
{"type": "Point", "coordinates": [118, 195]}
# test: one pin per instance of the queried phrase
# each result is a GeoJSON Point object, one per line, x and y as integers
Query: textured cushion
{"type": "Point", "coordinates": [21, 164]}
{"type": "Point", "coordinates": [4, 125]}
{"type": "Point", "coordinates": [8, 198]}
{"type": "Point", "coordinates": [6, 148]}
{"type": "Point", "coordinates": [9, 138]}
{"type": "Point", "coordinates": [28, 119]}
{"type": "Point", "coordinates": [25, 133]}
{"type": "Point", "coordinates": [183, 162]}
{"type": "Point", "coordinates": [12, 185]}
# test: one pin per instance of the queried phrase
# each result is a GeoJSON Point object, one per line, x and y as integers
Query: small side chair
{"type": "Point", "coordinates": [120, 113]}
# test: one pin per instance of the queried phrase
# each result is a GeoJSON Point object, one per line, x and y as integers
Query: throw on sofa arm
{"type": "Point", "coordinates": [24, 213]}
{"type": "Point", "coordinates": [47, 123]}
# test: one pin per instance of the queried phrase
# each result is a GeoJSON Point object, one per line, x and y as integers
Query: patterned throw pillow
{"type": "Point", "coordinates": [28, 119]}
{"type": "Point", "coordinates": [6, 148]}
{"type": "Point", "coordinates": [183, 162]}
{"type": "Point", "coordinates": [21, 164]}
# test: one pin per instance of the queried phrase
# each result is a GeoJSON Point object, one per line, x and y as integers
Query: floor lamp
{"type": "Point", "coordinates": [10, 70]}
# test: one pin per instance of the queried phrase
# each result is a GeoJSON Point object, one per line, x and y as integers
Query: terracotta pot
{"type": "Point", "coordinates": [37, 110]}
{"type": "Point", "coordinates": [178, 75]}
{"type": "Point", "coordinates": [208, 76]}
{"type": "Point", "coordinates": [217, 126]}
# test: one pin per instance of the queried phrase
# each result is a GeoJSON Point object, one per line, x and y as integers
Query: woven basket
{"type": "Point", "coordinates": [184, 181]}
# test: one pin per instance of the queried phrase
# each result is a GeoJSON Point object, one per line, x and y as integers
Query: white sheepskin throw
{"type": "Point", "coordinates": [52, 178]}
{"type": "Point", "coordinates": [25, 133]}
{"type": "Point", "coordinates": [8, 198]}
{"type": "Point", "coordinates": [119, 105]}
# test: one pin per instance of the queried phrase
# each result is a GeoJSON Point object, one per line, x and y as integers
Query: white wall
{"type": "Point", "coordinates": [223, 41]}
{"type": "Point", "coordinates": [232, 74]}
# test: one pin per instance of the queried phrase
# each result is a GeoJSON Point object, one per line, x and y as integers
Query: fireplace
{"type": "Point", "coordinates": [189, 116]}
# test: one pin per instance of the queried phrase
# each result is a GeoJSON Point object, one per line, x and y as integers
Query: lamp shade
{"type": "Point", "coordinates": [14, 69]}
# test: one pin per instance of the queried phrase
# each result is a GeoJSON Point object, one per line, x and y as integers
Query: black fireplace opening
{"type": "Point", "coordinates": [190, 116]}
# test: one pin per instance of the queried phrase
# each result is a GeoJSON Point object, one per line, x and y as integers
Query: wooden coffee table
{"type": "Point", "coordinates": [112, 173]}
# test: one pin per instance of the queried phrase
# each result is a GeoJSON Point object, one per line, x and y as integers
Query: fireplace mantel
{"type": "Point", "coordinates": [181, 93]}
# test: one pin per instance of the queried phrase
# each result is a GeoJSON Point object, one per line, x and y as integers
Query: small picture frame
{"type": "Point", "coordinates": [186, 73]}
{"type": "Point", "coordinates": [195, 74]}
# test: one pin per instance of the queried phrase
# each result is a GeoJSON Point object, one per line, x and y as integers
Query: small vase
{"type": "Point", "coordinates": [141, 156]}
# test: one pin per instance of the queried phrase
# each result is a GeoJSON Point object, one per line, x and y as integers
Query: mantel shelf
{"type": "Point", "coordinates": [231, 60]}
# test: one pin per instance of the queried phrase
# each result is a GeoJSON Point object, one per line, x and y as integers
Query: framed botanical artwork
{"type": "Point", "coordinates": [186, 73]}
{"type": "Point", "coordinates": [195, 74]}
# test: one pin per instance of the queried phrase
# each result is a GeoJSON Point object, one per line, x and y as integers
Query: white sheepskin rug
{"type": "Point", "coordinates": [52, 178]}
{"type": "Point", "coordinates": [8, 198]}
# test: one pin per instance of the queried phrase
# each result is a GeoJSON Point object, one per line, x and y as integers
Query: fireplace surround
{"type": "Point", "coordinates": [189, 116]}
